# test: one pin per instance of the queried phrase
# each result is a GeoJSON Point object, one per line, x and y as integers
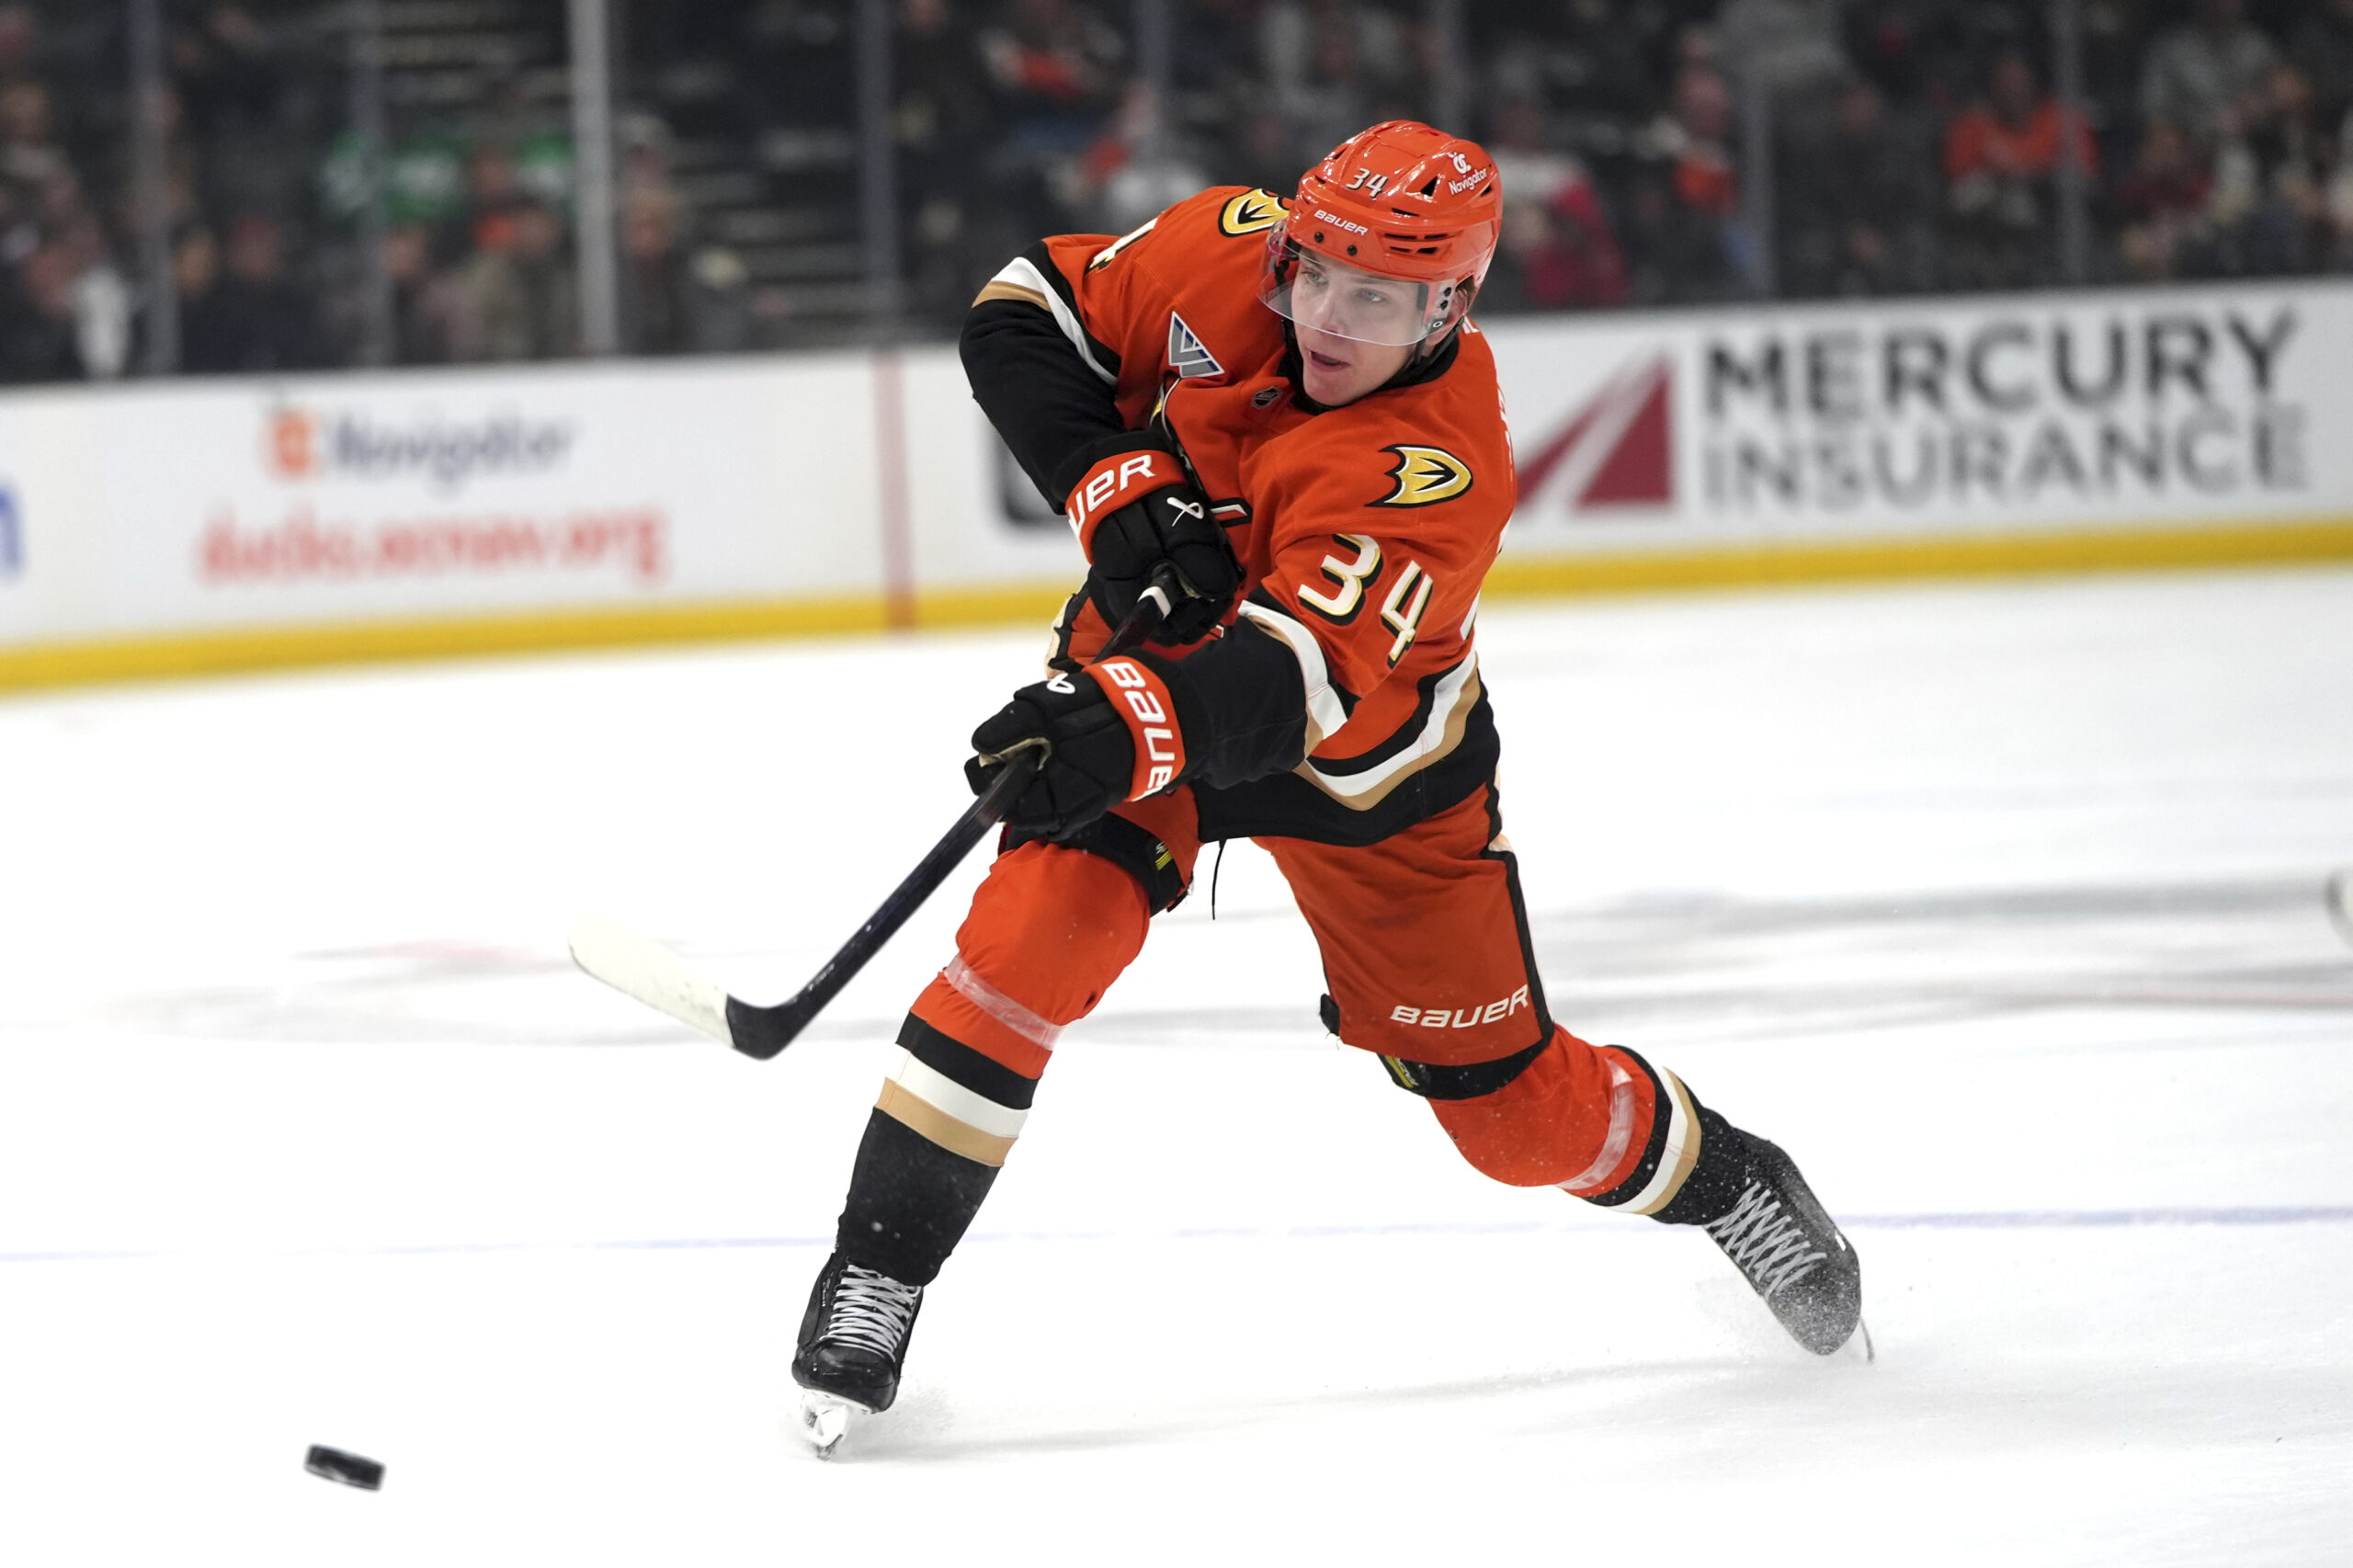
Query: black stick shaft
{"type": "Point", "coordinates": [764, 1031]}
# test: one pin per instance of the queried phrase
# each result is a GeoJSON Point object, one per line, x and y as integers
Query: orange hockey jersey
{"type": "Point", "coordinates": [1364, 531]}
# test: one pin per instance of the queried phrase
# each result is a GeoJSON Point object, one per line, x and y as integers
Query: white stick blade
{"type": "Point", "coordinates": [2340, 901]}
{"type": "Point", "coordinates": [650, 972]}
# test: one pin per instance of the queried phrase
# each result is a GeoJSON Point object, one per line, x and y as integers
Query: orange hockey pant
{"type": "Point", "coordinates": [1425, 950]}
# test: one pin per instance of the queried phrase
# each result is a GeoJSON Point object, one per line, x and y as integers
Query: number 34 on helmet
{"type": "Point", "coordinates": [1389, 238]}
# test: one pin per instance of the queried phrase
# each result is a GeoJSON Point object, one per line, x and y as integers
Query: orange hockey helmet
{"type": "Point", "coordinates": [1400, 204]}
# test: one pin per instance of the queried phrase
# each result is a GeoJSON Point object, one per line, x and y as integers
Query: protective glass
{"type": "Point", "coordinates": [1323, 295]}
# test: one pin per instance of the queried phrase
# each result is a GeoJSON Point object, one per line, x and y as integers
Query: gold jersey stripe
{"type": "Point", "coordinates": [997, 289]}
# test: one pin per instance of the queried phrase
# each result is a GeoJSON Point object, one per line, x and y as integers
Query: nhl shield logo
{"type": "Point", "coordinates": [1187, 356]}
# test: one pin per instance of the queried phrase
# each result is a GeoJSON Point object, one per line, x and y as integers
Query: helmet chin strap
{"type": "Point", "coordinates": [1431, 345]}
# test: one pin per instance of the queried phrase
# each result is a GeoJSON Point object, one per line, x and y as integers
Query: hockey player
{"type": "Point", "coordinates": [1280, 417]}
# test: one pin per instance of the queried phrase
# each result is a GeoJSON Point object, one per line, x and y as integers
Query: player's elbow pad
{"type": "Point", "coordinates": [1242, 704]}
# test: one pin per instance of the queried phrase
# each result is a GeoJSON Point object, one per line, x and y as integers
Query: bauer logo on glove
{"type": "Point", "coordinates": [1114, 732]}
{"type": "Point", "coordinates": [1160, 752]}
{"type": "Point", "coordinates": [1139, 519]}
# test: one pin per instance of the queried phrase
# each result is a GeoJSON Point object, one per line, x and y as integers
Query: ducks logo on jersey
{"type": "Point", "coordinates": [1425, 475]}
{"type": "Point", "coordinates": [1252, 212]}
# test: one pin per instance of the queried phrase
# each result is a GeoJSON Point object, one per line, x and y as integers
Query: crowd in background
{"type": "Point", "coordinates": [1911, 146]}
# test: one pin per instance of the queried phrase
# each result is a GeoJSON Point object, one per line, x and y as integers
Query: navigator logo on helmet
{"type": "Point", "coordinates": [1389, 237]}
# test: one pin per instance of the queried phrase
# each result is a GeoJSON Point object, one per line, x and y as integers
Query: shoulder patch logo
{"type": "Point", "coordinates": [1252, 212]}
{"type": "Point", "coordinates": [1425, 475]}
{"type": "Point", "coordinates": [1187, 356]}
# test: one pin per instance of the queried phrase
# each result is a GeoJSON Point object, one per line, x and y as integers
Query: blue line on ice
{"type": "Point", "coordinates": [2022, 1219]}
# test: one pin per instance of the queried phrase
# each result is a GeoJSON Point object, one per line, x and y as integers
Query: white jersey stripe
{"type": "Point", "coordinates": [1324, 714]}
{"type": "Point", "coordinates": [1022, 273]}
{"type": "Point", "coordinates": [1433, 736]}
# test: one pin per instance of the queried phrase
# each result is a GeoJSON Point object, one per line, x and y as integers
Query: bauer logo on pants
{"type": "Point", "coordinates": [1461, 1017]}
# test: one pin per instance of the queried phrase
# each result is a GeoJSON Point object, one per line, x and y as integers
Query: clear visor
{"type": "Point", "coordinates": [1319, 294]}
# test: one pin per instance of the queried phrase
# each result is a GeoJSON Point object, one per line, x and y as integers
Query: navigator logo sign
{"type": "Point", "coordinates": [1616, 451]}
{"type": "Point", "coordinates": [302, 444]}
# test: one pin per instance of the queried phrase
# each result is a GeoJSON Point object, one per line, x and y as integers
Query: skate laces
{"type": "Point", "coordinates": [871, 1311]}
{"type": "Point", "coordinates": [1766, 1241]}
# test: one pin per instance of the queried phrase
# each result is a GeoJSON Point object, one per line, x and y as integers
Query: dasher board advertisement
{"type": "Point", "coordinates": [256, 503]}
{"type": "Point", "coordinates": [2149, 409]}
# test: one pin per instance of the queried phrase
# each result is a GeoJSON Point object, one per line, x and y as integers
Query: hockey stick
{"type": "Point", "coordinates": [655, 975]}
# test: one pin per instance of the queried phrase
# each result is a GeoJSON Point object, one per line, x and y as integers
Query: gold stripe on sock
{"type": "Point", "coordinates": [956, 1137]}
{"type": "Point", "coordinates": [1686, 1158]}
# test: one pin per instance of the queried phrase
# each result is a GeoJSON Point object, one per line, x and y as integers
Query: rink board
{"type": "Point", "coordinates": [246, 523]}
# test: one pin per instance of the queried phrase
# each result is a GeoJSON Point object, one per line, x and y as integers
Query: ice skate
{"type": "Point", "coordinates": [853, 1342]}
{"type": "Point", "coordinates": [1791, 1252]}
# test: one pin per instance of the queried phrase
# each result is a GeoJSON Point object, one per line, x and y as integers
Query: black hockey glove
{"type": "Point", "coordinates": [1135, 512]}
{"type": "Point", "coordinates": [1112, 734]}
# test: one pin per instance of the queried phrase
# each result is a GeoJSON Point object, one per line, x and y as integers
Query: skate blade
{"type": "Point", "coordinates": [1858, 1346]}
{"type": "Point", "coordinates": [826, 1421]}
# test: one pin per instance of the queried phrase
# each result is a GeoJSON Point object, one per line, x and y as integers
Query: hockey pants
{"type": "Point", "coordinates": [1427, 957]}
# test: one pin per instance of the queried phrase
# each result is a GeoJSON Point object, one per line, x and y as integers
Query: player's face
{"type": "Point", "coordinates": [1355, 330]}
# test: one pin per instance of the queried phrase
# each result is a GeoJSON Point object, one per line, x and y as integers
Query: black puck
{"type": "Point", "coordinates": [352, 1469]}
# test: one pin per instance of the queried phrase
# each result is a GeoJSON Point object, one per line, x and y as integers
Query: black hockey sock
{"type": "Point", "coordinates": [1673, 1182]}
{"type": "Point", "coordinates": [1717, 1176]}
{"type": "Point", "coordinates": [944, 1122]}
{"type": "Point", "coordinates": [910, 1203]}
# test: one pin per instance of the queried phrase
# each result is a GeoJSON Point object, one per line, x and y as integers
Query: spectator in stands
{"type": "Point", "coordinates": [1684, 203]}
{"type": "Point", "coordinates": [37, 336]}
{"type": "Point", "coordinates": [195, 275]}
{"type": "Point", "coordinates": [243, 315]}
{"type": "Point", "coordinates": [2272, 176]}
{"type": "Point", "coordinates": [1059, 69]}
{"type": "Point", "coordinates": [1857, 210]}
{"type": "Point", "coordinates": [494, 195]}
{"type": "Point", "coordinates": [425, 300]}
{"type": "Point", "coordinates": [2323, 45]}
{"type": "Point", "coordinates": [30, 160]}
{"type": "Point", "coordinates": [2198, 74]}
{"type": "Point", "coordinates": [101, 298]}
{"type": "Point", "coordinates": [2164, 203]}
{"type": "Point", "coordinates": [2000, 163]}
{"type": "Point", "coordinates": [1054, 72]}
{"type": "Point", "coordinates": [674, 302]}
{"type": "Point", "coordinates": [521, 300]}
{"type": "Point", "coordinates": [1558, 252]}
{"type": "Point", "coordinates": [1138, 166]}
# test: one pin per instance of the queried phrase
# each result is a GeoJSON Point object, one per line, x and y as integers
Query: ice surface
{"type": "Point", "coordinates": [1999, 906]}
